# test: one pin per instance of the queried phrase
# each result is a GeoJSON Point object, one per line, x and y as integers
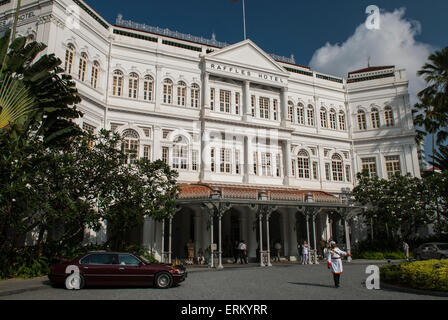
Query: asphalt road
{"type": "Point", "coordinates": [280, 282]}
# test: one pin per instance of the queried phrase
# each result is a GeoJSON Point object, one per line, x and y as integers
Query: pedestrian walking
{"type": "Point", "coordinates": [242, 247]}
{"type": "Point", "coordinates": [236, 252]}
{"type": "Point", "coordinates": [334, 258]}
{"type": "Point", "coordinates": [278, 250]}
{"type": "Point", "coordinates": [305, 252]}
{"type": "Point", "coordinates": [406, 250]}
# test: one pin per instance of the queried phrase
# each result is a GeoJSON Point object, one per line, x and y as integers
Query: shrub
{"type": "Point", "coordinates": [377, 255]}
{"type": "Point", "coordinates": [426, 275]}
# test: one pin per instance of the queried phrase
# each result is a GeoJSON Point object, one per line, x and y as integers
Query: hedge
{"type": "Point", "coordinates": [375, 255]}
{"type": "Point", "coordinates": [425, 275]}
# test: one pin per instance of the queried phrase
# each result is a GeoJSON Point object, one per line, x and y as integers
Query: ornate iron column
{"type": "Point", "coordinates": [313, 217]}
{"type": "Point", "coordinates": [216, 208]}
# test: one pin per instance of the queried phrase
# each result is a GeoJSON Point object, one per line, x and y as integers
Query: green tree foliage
{"type": "Point", "coordinates": [57, 191]}
{"type": "Point", "coordinates": [440, 158]}
{"type": "Point", "coordinates": [402, 203]}
{"type": "Point", "coordinates": [432, 111]}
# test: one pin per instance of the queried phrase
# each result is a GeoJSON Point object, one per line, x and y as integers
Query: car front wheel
{"type": "Point", "coordinates": [163, 280]}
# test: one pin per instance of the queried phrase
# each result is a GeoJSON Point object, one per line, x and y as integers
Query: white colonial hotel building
{"type": "Point", "coordinates": [249, 132]}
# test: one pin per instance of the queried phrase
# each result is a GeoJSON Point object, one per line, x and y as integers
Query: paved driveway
{"type": "Point", "coordinates": [282, 281]}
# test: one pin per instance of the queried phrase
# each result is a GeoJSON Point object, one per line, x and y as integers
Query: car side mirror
{"type": "Point", "coordinates": [140, 264]}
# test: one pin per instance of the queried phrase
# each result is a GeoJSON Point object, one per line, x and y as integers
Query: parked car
{"type": "Point", "coordinates": [115, 269]}
{"type": "Point", "coordinates": [432, 250]}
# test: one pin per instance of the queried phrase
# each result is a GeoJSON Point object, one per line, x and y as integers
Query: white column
{"type": "Point", "coordinates": [347, 240]}
{"type": "Point", "coordinates": [314, 238]}
{"type": "Point", "coordinates": [212, 263]}
{"type": "Point", "coordinates": [247, 157]}
{"type": "Point", "coordinates": [287, 161]}
{"type": "Point", "coordinates": [267, 241]}
{"type": "Point", "coordinates": [307, 218]}
{"type": "Point", "coordinates": [197, 230]}
{"type": "Point", "coordinates": [206, 94]}
{"type": "Point", "coordinates": [157, 147]}
{"type": "Point", "coordinates": [147, 226]}
{"type": "Point", "coordinates": [292, 233]}
{"type": "Point", "coordinates": [247, 112]}
{"type": "Point", "coordinates": [252, 235]}
{"type": "Point", "coordinates": [284, 106]}
{"type": "Point", "coordinates": [205, 234]}
{"type": "Point", "coordinates": [243, 226]}
{"type": "Point", "coordinates": [158, 87]}
{"type": "Point", "coordinates": [219, 241]}
{"type": "Point", "coordinates": [260, 224]}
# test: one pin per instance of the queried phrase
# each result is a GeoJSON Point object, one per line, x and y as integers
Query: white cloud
{"type": "Point", "coordinates": [393, 44]}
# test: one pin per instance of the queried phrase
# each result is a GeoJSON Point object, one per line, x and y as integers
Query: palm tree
{"type": "Point", "coordinates": [15, 100]}
{"type": "Point", "coordinates": [53, 91]}
{"type": "Point", "coordinates": [440, 158]}
{"type": "Point", "coordinates": [434, 98]}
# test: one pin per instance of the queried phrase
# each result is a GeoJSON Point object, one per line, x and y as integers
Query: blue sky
{"type": "Point", "coordinates": [326, 35]}
{"type": "Point", "coordinates": [281, 26]}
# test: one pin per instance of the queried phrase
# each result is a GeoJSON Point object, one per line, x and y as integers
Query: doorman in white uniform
{"type": "Point", "coordinates": [334, 258]}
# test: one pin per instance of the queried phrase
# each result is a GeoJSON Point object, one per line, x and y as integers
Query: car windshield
{"type": "Point", "coordinates": [146, 261]}
{"type": "Point", "coordinates": [443, 246]}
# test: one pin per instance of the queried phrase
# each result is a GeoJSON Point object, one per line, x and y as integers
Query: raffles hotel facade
{"type": "Point", "coordinates": [266, 149]}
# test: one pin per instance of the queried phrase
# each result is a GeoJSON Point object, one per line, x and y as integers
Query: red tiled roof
{"type": "Point", "coordinates": [197, 191]}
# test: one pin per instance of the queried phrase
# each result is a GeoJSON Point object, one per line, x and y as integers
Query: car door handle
{"type": "Point", "coordinates": [121, 268]}
{"type": "Point", "coordinates": [86, 268]}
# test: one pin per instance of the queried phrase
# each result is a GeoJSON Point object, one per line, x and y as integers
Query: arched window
{"type": "Point", "coordinates": [195, 95]}
{"type": "Point", "coordinates": [375, 118]}
{"type": "Point", "coordinates": [69, 56]}
{"type": "Point", "coordinates": [181, 93]}
{"type": "Point", "coordinates": [133, 85]}
{"type": "Point", "coordinates": [180, 153]}
{"type": "Point", "coordinates": [336, 166]}
{"type": "Point", "coordinates": [117, 83]}
{"type": "Point", "coordinates": [82, 66]}
{"type": "Point", "coordinates": [341, 120]}
{"type": "Point", "coordinates": [291, 111]}
{"type": "Point", "coordinates": [362, 120]}
{"type": "Point", "coordinates": [323, 118]}
{"type": "Point", "coordinates": [95, 73]}
{"type": "Point", "coordinates": [167, 91]}
{"type": "Point", "coordinates": [389, 116]}
{"type": "Point", "coordinates": [310, 115]}
{"type": "Point", "coordinates": [130, 145]}
{"type": "Point", "coordinates": [332, 117]}
{"type": "Point", "coordinates": [300, 114]}
{"type": "Point", "coordinates": [148, 84]}
{"type": "Point", "coordinates": [303, 163]}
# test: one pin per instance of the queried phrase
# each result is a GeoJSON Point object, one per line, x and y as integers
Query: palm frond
{"type": "Point", "coordinates": [15, 100]}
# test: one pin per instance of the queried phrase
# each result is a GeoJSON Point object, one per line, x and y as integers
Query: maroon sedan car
{"type": "Point", "coordinates": [115, 269]}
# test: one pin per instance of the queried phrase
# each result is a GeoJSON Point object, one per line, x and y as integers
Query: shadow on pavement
{"type": "Point", "coordinates": [311, 284]}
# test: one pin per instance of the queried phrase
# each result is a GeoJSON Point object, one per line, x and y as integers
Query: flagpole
{"type": "Point", "coordinates": [244, 20]}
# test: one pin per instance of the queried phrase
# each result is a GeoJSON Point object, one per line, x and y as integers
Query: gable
{"type": "Point", "coordinates": [248, 54]}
